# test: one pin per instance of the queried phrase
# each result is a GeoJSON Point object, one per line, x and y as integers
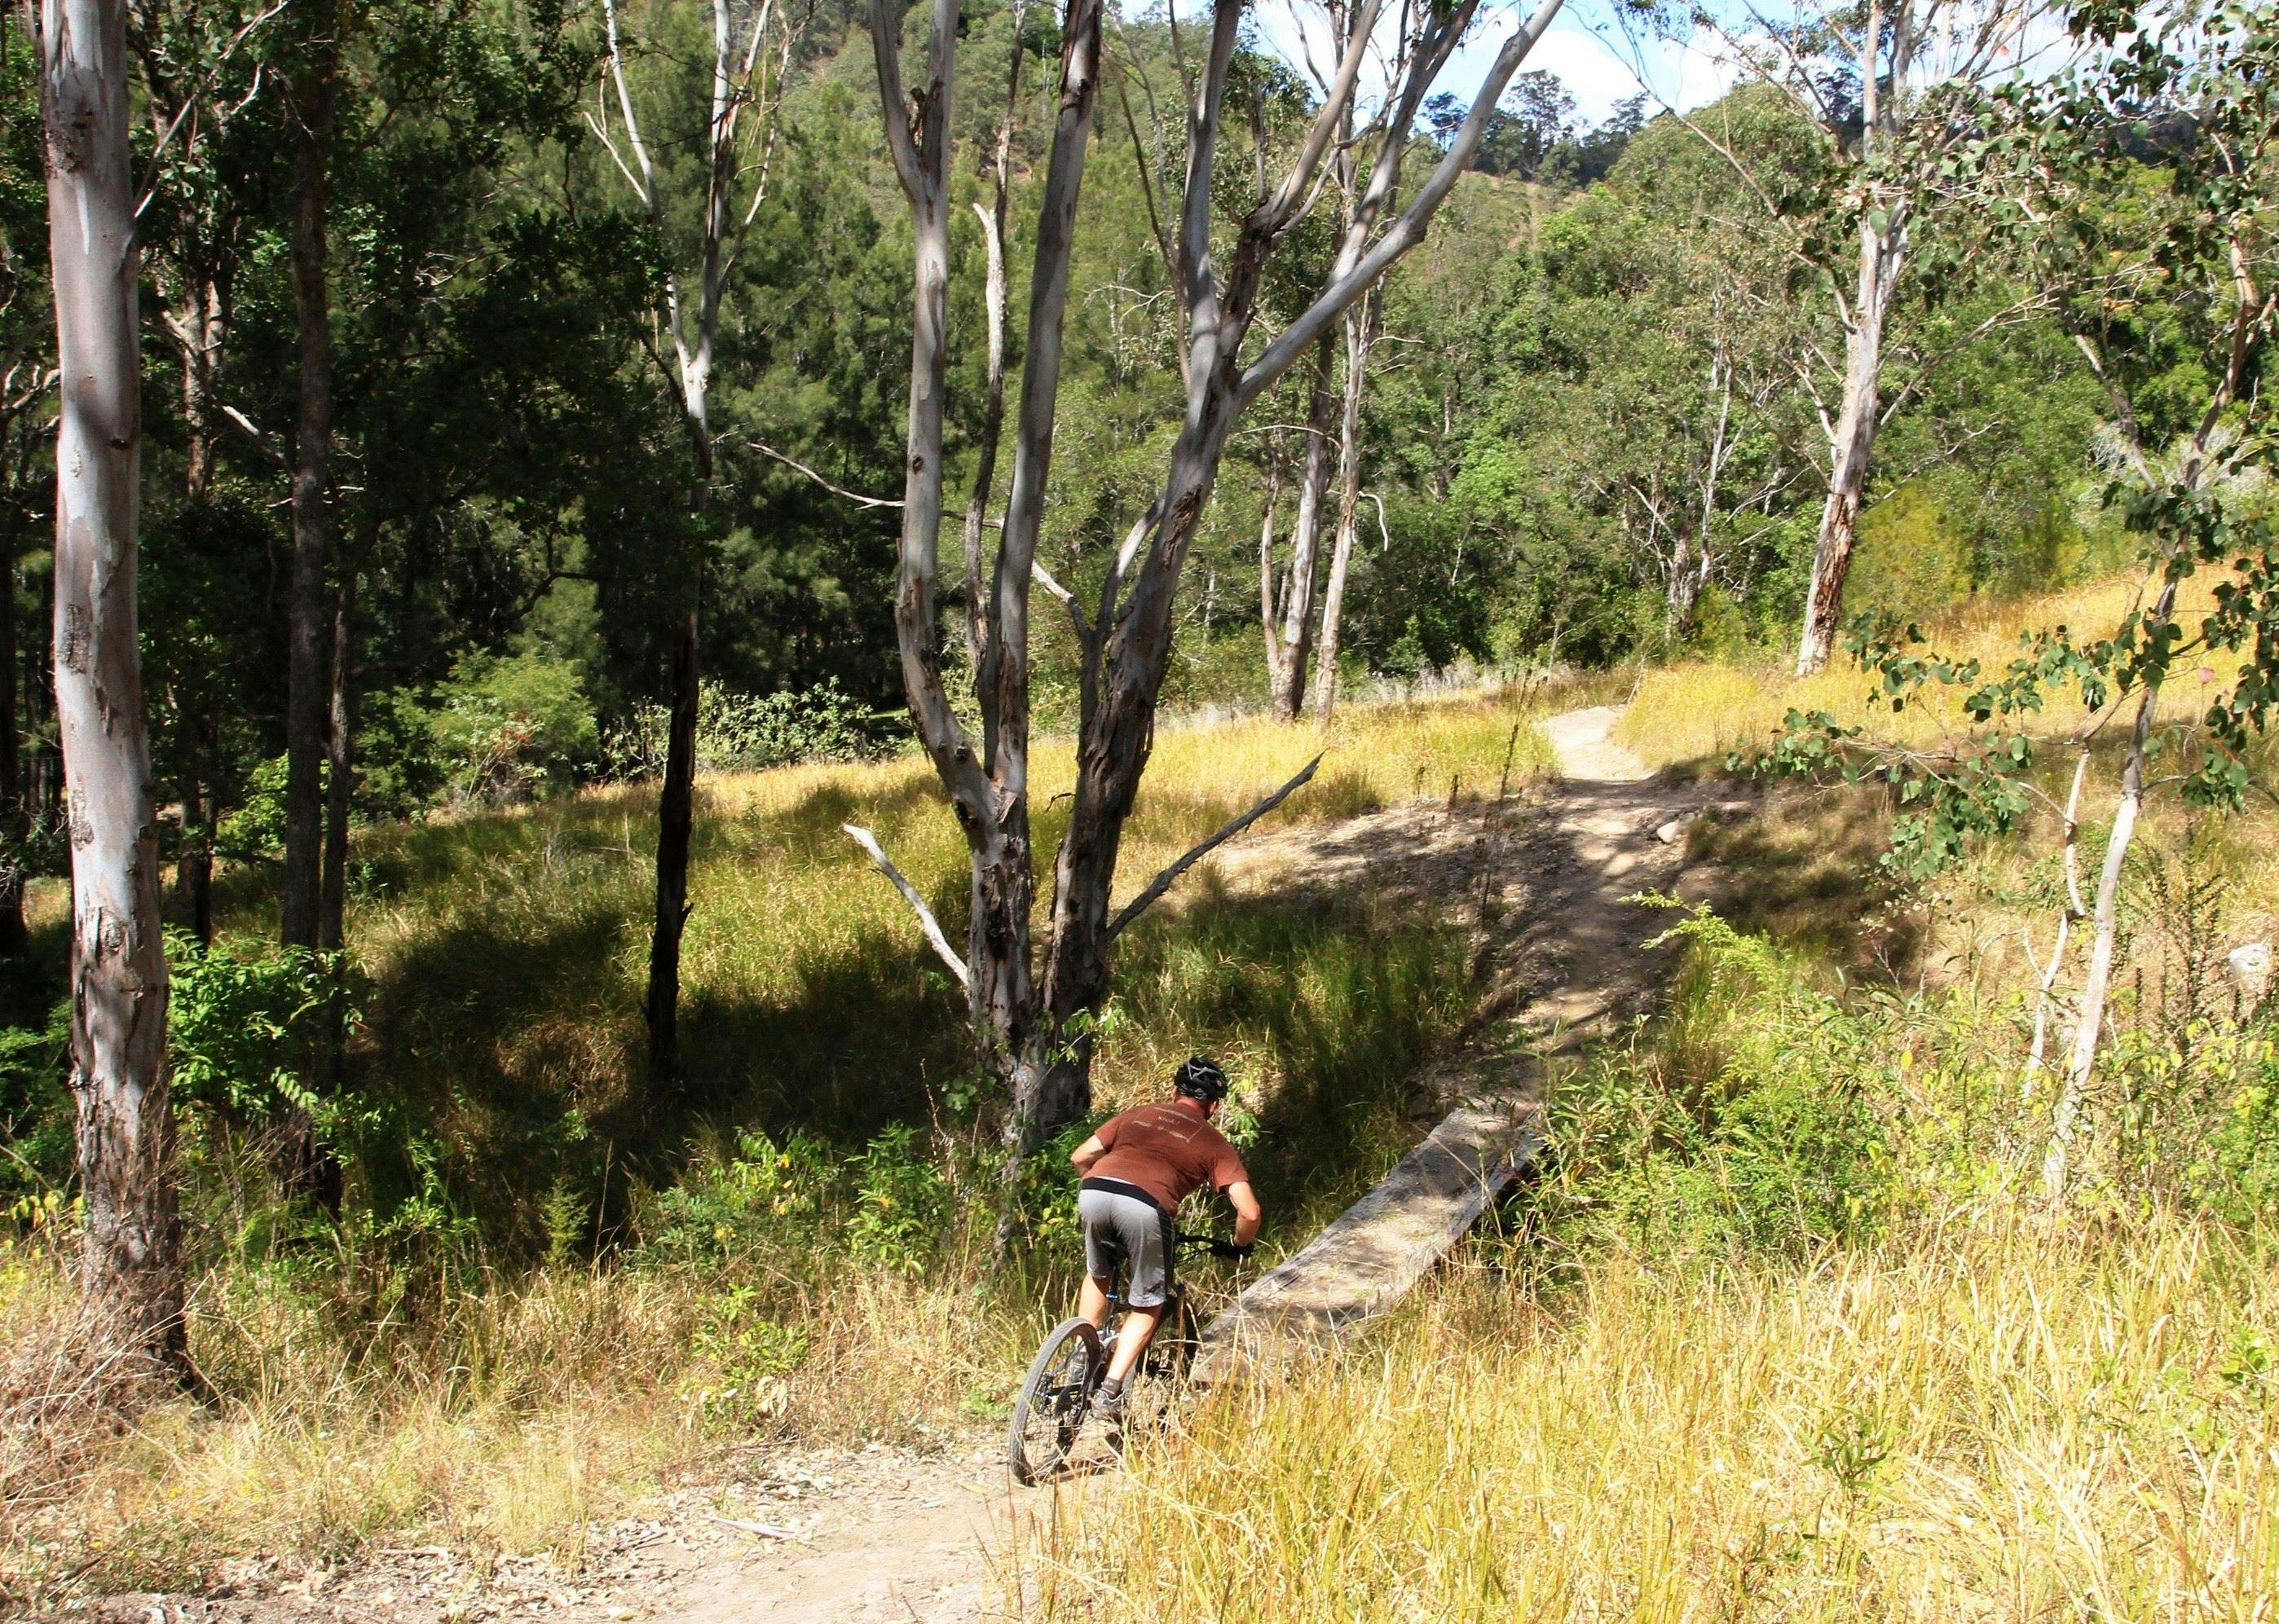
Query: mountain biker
{"type": "Point", "coordinates": [1137, 1170]}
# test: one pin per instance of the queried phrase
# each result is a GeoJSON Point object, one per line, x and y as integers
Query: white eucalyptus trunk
{"type": "Point", "coordinates": [1360, 333]}
{"type": "Point", "coordinates": [1286, 671]}
{"type": "Point", "coordinates": [133, 1271]}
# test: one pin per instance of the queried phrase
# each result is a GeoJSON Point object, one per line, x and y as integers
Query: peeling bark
{"type": "Point", "coordinates": [1882, 253]}
{"type": "Point", "coordinates": [1881, 256]}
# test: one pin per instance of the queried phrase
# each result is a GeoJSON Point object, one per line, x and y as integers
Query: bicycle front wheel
{"type": "Point", "coordinates": [1054, 1397]}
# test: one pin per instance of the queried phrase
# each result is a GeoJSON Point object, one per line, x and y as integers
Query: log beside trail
{"type": "Point", "coordinates": [1381, 1245]}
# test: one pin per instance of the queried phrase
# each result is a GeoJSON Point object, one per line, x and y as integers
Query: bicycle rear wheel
{"type": "Point", "coordinates": [1053, 1398]}
{"type": "Point", "coordinates": [1177, 1340]}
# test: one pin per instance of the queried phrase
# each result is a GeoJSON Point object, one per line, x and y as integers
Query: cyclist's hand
{"type": "Point", "coordinates": [1228, 1249]}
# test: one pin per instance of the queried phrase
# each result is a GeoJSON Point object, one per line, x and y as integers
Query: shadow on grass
{"type": "Point", "coordinates": [1801, 868]}
{"type": "Point", "coordinates": [514, 1037]}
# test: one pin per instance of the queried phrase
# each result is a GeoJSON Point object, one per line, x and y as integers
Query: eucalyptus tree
{"type": "Point", "coordinates": [132, 1272]}
{"type": "Point", "coordinates": [1034, 1032]}
{"type": "Point", "coordinates": [2169, 283]}
{"type": "Point", "coordinates": [749, 58]}
{"type": "Point", "coordinates": [1886, 88]}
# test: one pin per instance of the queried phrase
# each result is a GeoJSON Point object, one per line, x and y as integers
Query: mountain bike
{"type": "Point", "coordinates": [1056, 1394]}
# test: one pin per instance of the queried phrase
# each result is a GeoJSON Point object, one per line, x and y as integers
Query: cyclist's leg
{"type": "Point", "coordinates": [1151, 1238]}
{"type": "Point", "coordinates": [1102, 1243]}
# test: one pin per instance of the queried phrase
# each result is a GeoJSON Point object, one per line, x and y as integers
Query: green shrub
{"type": "Point", "coordinates": [255, 831]}
{"type": "Point", "coordinates": [746, 732]}
{"type": "Point", "coordinates": [748, 1359]}
{"type": "Point", "coordinates": [248, 1023]}
{"type": "Point", "coordinates": [507, 729]}
{"type": "Point", "coordinates": [904, 1202]}
{"type": "Point", "coordinates": [726, 1208]}
{"type": "Point", "coordinates": [1758, 1121]}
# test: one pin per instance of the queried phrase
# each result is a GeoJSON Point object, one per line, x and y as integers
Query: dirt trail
{"type": "Point", "coordinates": [1561, 947]}
{"type": "Point", "coordinates": [881, 1535]}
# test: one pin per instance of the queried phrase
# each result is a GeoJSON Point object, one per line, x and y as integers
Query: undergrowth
{"type": "Point", "coordinates": [548, 1290]}
{"type": "Point", "coordinates": [1783, 1328]}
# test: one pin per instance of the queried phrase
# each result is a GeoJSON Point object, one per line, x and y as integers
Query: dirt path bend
{"type": "Point", "coordinates": [1562, 946]}
{"type": "Point", "coordinates": [881, 1535]}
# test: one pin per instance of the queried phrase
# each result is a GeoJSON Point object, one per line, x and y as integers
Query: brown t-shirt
{"type": "Point", "coordinates": [1167, 1151]}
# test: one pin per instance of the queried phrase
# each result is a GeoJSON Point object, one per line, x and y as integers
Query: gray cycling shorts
{"type": "Point", "coordinates": [1121, 1227]}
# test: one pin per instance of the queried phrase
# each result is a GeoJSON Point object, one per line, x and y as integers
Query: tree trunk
{"type": "Point", "coordinates": [1268, 596]}
{"type": "Point", "coordinates": [2104, 919]}
{"type": "Point", "coordinates": [133, 1268]}
{"type": "Point", "coordinates": [315, 96]}
{"type": "Point", "coordinates": [194, 859]}
{"type": "Point", "coordinates": [1882, 253]}
{"type": "Point", "coordinates": [675, 819]}
{"type": "Point", "coordinates": [1286, 690]}
{"type": "Point", "coordinates": [14, 826]}
{"type": "Point", "coordinates": [2069, 910]}
{"type": "Point", "coordinates": [340, 774]}
{"type": "Point", "coordinates": [204, 326]}
{"type": "Point", "coordinates": [1360, 333]}
{"type": "Point", "coordinates": [993, 398]}
{"type": "Point", "coordinates": [305, 1166]}
{"type": "Point", "coordinates": [1117, 731]}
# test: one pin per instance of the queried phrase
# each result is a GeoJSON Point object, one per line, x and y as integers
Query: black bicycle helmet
{"type": "Point", "coordinates": [1200, 1079]}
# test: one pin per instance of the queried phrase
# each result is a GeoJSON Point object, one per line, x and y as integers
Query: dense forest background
{"type": "Point", "coordinates": [1589, 430]}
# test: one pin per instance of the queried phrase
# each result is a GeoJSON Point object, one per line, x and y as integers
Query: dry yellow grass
{"type": "Point", "coordinates": [1979, 1420]}
{"type": "Point", "coordinates": [531, 1407]}
{"type": "Point", "coordinates": [502, 1410]}
{"type": "Point", "coordinates": [1700, 710]}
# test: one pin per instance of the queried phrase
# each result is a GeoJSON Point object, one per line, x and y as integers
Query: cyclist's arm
{"type": "Point", "coordinates": [1247, 1214]}
{"type": "Point", "coordinates": [1084, 1154]}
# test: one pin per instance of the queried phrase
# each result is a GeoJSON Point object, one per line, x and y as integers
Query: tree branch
{"type": "Point", "coordinates": [856, 497]}
{"type": "Point", "coordinates": [1164, 881]}
{"type": "Point", "coordinates": [1407, 231]}
{"type": "Point", "coordinates": [927, 921]}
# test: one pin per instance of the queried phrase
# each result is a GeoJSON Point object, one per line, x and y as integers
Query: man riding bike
{"type": "Point", "coordinates": [1137, 1170]}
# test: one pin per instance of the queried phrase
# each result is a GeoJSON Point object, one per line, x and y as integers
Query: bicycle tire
{"type": "Point", "coordinates": [1054, 1396]}
{"type": "Point", "coordinates": [1177, 1343]}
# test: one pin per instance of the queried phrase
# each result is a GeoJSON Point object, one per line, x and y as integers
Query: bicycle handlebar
{"type": "Point", "coordinates": [1217, 1246]}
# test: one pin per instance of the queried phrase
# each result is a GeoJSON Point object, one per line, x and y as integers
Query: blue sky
{"type": "Point", "coordinates": [1599, 71]}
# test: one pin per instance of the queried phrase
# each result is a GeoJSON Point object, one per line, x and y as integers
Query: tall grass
{"type": "Point", "coordinates": [1978, 1418]}
{"type": "Point", "coordinates": [792, 1246]}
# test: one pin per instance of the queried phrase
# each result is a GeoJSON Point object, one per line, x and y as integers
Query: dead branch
{"type": "Point", "coordinates": [927, 921]}
{"type": "Point", "coordinates": [1164, 881]}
